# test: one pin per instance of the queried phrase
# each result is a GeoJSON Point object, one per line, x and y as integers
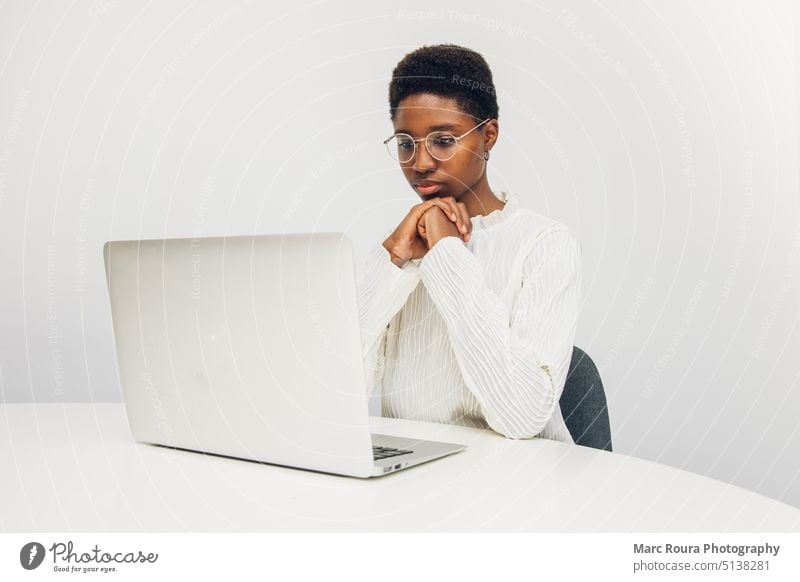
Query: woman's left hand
{"type": "Point", "coordinates": [434, 225]}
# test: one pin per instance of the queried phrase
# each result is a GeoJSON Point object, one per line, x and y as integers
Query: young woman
{"type": "Point", "coordinates": [468, 308]}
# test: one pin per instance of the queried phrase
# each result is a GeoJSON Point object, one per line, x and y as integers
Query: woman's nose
{"type": "Point", "coordinates": [423, 161]}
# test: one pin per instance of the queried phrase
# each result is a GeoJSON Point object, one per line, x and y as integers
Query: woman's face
{"type": "Point", "coordinates": [418, 115]}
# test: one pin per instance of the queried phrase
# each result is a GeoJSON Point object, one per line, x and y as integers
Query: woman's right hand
{"type": "Point", "coordinates": [405, 243]}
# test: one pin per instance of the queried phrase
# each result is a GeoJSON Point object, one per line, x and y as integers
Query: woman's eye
{"type": "Point", "coordinates": [404, 145]}
{"type": "Point", "coordinates": [444, 141]}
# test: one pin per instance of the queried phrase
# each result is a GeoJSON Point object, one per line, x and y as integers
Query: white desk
{"type": "Point", "coordinates": [75, 467]}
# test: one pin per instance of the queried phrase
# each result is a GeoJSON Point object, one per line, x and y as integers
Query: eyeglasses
{"type": "Point", "coordinates": [441, 145]}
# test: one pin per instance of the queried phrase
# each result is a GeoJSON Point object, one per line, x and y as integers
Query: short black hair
{"type": "Point", "coordinates": [446, 70]}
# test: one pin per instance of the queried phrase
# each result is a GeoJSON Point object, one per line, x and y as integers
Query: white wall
{"type": "Point", "coordinates": [665, 134]}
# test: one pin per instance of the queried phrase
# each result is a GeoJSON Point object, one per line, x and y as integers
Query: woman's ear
{"type": "Point", "coordinates": [490, 133]}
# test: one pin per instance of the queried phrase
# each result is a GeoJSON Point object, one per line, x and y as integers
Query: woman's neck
{"type": "Point", "coordinates": [480, 200]}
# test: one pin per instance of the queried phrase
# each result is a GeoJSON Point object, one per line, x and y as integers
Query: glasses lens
{"type": "Point", "coordinates": [441, 145]}
{"type": "Point", "coordinates": [401, 147]}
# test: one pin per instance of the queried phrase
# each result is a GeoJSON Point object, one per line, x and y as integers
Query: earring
{"type": "Point", "coordinates": [486, 155]}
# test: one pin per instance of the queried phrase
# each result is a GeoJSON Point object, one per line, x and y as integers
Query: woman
{"type": "Point", "coordinates": [468, 308]}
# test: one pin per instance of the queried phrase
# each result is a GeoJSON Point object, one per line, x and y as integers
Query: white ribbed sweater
{"type": "Point", "coordinates": [486, 339]}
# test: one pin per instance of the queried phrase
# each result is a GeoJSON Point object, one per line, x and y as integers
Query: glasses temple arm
{"type": "Point", "coordinates": [474, 128]}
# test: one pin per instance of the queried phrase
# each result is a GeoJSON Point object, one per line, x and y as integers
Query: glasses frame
{"type": "Point", "coordinates": [457, 139]}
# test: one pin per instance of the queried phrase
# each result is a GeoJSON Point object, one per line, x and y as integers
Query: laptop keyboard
{"type": "Point", "coordinates": [385, 452]}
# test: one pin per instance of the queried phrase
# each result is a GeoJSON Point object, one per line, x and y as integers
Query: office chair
{"type": "Point", "coordinates": [583, 403]}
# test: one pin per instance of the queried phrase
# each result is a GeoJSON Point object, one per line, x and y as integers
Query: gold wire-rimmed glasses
{"type": "Point", "coordinates": [441, 145]}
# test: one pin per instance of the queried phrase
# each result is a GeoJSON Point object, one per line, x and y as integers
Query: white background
{"type": "Point", "coordinates": [664, 133]}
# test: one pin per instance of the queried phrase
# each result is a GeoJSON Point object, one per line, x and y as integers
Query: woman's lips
{"type": "Point", "coordinates": [428, 188]}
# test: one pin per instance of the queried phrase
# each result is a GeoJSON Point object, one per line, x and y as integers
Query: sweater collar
{"type": "Point", "coordinates": [496, 216]}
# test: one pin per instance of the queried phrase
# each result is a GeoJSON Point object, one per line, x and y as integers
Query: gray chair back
{"type": "Point", "coordinates": [583, 403]}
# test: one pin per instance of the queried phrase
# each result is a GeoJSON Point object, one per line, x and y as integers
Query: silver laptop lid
{"type": "Point", "coordinates": [247, 346]}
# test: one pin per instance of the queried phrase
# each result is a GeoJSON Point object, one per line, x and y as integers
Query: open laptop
{"type": "Point", "coordinates": [250, 347]}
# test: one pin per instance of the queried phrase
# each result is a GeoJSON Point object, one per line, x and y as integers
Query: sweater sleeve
{"type": "Point", "coordinates": [382, 290]}
{"type": "Point", "coordinates": [514, 360]}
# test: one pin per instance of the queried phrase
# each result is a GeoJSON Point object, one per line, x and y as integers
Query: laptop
{"type": "Point", "coordinates": [250, 347]}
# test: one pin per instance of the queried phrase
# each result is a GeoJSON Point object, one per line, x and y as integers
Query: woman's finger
{"type": "Point", "coordinates": [461, 218]}
{"type": "Point", "coordinates": [465, 216]}
{"type": "Point", "coordinates": [447, 208]}
{"type": "Point", "coordinates": [422, 232]}
{"type": "Point", "coordinates": [452, 211]}
{"type": "Point", "coordinates": [464, 221]}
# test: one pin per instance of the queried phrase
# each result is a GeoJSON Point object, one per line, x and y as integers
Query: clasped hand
{"type": "Point", "coordinates": [425, 225]}
{"type": "Point", "coordinates": [435, 225]}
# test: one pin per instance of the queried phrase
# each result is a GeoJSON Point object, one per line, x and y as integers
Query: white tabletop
{"type": "Point", "coordinates": [75, 467]}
